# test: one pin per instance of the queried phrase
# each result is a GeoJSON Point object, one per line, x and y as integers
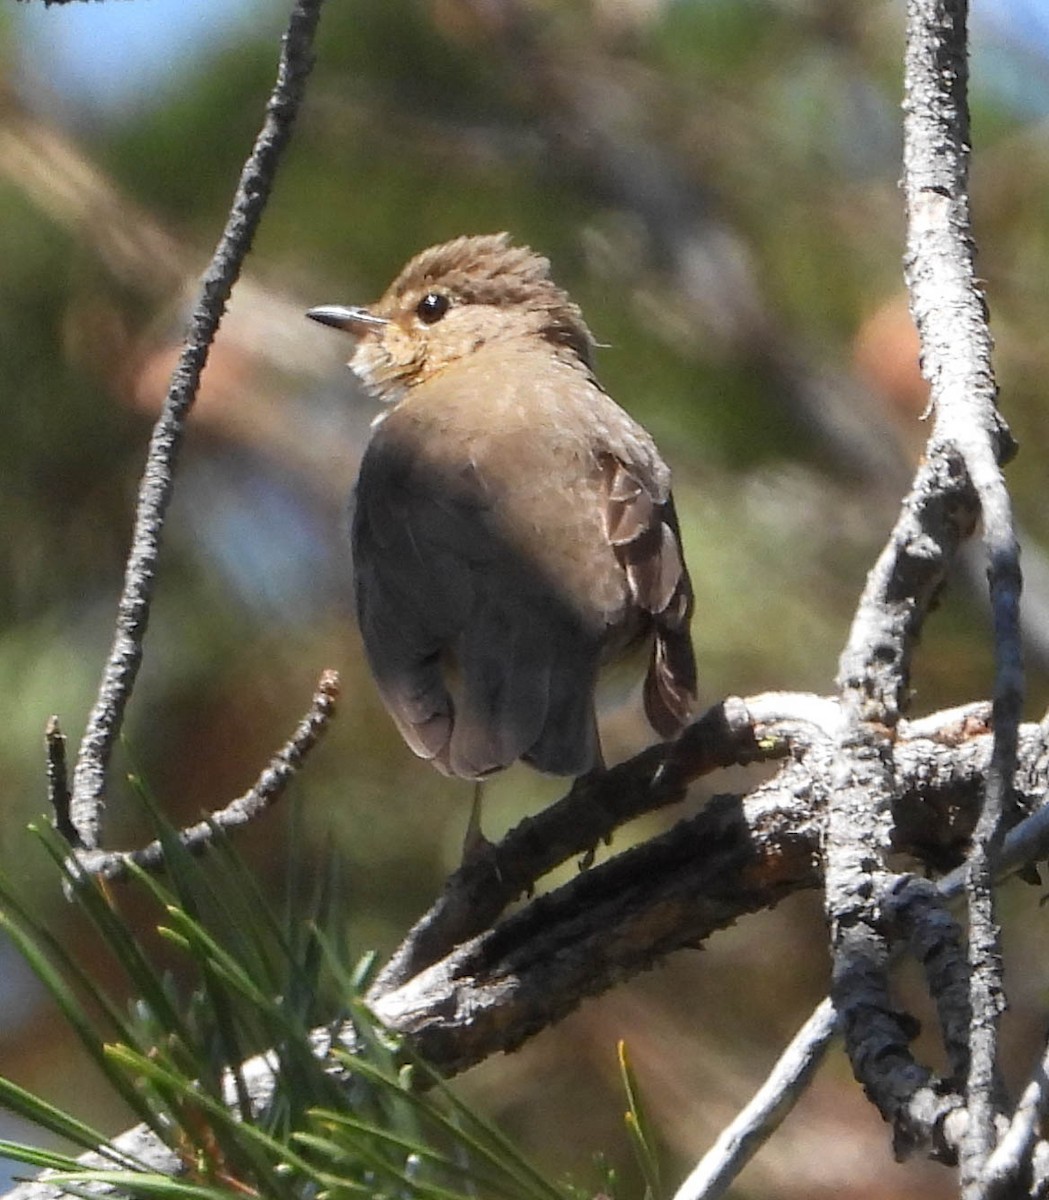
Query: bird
{"type": "Point", "coordinates": [513, 530]}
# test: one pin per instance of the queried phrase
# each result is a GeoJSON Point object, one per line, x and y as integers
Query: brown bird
{"type": "Point", "coordinates": [514, 531]}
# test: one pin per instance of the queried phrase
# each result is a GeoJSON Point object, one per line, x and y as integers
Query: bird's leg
{"type": "Point", "coordinates": [475, 844]}
{"type": "Point", "coordinates": [582, 783]}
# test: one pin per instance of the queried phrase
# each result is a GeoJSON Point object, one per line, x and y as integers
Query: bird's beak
{"type": "Point", "coordinates": [352, 320]}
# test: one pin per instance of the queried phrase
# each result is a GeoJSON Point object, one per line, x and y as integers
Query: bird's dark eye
{"type": "Point", "coordinates": [432, 307]}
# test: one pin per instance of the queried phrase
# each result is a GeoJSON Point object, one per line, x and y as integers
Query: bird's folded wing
{"type": "Point", "coordinates": [643, 530]}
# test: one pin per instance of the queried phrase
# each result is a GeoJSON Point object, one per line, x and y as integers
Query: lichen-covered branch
{"type": "Point", "coordinates": [951, 315]}
{"type": "Point", "coordinates": [959, 482]}
{"type": "Point", "coordinates": [736, 731]}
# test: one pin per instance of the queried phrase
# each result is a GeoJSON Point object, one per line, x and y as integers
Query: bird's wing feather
{"type": "Point", "coordinates": [642, 527]}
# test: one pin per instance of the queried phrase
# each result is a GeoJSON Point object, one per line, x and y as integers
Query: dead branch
{"type": "Point", "coordinates": [258, 799]}
{"type": "Point", "coordinates": [253, 189]}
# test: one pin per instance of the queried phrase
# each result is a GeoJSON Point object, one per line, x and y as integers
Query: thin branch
{"type": "Point", "coordinates": [944, 503]}
{"type": "Point", "coordinates": [739, 1141]}
{"type": "Point", "coordinates": [864, 778]}
{"type": "Point", "coordinates": [253, 189]}
{"type": "Point", "coordinates": [917, 914]}
{"type": "Point", "coordinates": [1027, 842]}
{"type": "Point", "coordinates": [1011, 1158]}
{"type": "Point", "coordinates": [258, 799]}
{"type": "Point", "coordinates": [58, 779]}
{"type": "Point", "coordinates": [874, 673]}
{"type": "Point", "coordinates": [951, 315]}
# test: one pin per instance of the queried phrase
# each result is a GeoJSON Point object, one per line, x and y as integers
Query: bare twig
{"type": "Point", "coordinates": [951, 316]}
{"type": "Point", "coordinates": [58, 779]}
{"type": "Point", "coordinates": [1011, 1158]}
{"type": "Point", "coordinates": [873, 676]}
{"type": "Point", "coordinates": [758, 1120]}
{"type": "Point", "coordinates": [917, 915]}
{"type": "Point", "coordinates": [121, 670]}
{"type": "Point", "coordinates": [959, 480]}
{"type": "Point", "coordinates": [265, 792]}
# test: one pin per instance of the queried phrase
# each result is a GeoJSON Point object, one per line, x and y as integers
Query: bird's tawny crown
{"type": "Point", "coordinates": [451, 300]}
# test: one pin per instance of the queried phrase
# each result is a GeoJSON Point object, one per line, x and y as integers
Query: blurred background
{"type": "Point", "coordinates": [716, 183]}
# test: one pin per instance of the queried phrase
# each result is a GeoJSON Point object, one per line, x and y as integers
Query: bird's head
{"type": "Point", "coordinates": [447, 303]}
